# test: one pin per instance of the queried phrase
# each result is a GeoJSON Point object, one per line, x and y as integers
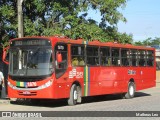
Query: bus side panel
{"type": "Point", "coordinates": [65, 82]}
{"type": "Point", "coordinates": [143, 77]}
{"type": "Point", "coordinates": [130, 73]}
{"type": "Point", "coordinates": [62, 87]}
{"type": "Point", "coordinates": [92, 81]}
{"type": "Point", "coordinates": [133, 73]}
{"type": "Point", "coordinates": [112, 80]}
{"type": "Point", "coordinates": [106, 80]}
{"type": "Point", "coordinates": [148, 77]}
{"type": "Point", "coordinates": [103, 80]}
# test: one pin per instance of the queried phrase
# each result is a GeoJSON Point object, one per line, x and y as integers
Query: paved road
{"type": "Point", "coordinates": [145, 100]}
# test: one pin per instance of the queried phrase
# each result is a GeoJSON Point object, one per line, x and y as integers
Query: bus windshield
{"type": "Point", "coordinates": [30, 61]}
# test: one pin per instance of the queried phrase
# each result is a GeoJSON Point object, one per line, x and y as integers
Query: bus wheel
{"type": "Point", "coordinates": [75, 95]}
{"type": "Point", "coordinates": [131, 91]}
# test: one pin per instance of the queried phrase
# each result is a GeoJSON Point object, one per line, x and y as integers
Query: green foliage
{"type": "Point", "coordinates": [149, 42]}
{"type": "Point", "coordinates": [66, 17]}
{"type": "Point", "coordinates": [124, 38]}
{"type": "Point", "coordinates": [7, 11]}
{"type": "Point", "coordinates": [4, 42]}
{"type": "Point", "coordinates": [108, 9]}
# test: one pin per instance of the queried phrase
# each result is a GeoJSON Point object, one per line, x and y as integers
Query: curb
{"type": "Point", "coordinates": [4, 101]}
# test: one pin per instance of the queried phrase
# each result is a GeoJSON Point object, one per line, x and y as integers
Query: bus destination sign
{"type": "Point", "coordinates": [30, 42]}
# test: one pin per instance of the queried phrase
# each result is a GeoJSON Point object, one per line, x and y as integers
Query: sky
{"type": "Point", "coordinates": [143, 19]}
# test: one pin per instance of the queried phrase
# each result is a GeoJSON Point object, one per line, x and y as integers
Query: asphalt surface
{"type": "Point", "coordinates": [145, 100]}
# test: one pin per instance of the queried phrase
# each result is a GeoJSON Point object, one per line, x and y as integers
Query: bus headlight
{"type": "Point", "coordinates": [10, 85]}
{"type": "Point", "coordinates": [47, 84]}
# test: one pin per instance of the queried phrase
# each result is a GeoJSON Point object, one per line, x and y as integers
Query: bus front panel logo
{"type": "Point", "coordinates": [76, 74]}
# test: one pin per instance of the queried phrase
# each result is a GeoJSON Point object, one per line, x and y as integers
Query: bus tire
{"type": "Point", "coordinates": [131, 91]}
{"type": "Point", "coordinates": [79, 100]}
{"type": "Point", "coordinates": [74, 97]}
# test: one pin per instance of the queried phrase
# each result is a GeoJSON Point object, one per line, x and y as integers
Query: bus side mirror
{"type": "Point", "coordinates": [5, 56]}
{"type": "Point", "coordinates": [59, 57]}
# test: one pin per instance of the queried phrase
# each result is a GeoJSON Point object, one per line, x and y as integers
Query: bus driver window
{"type": "Point", "coordinates": [61, 56]}
{"type": "Point", "coordinates": [58, 59]}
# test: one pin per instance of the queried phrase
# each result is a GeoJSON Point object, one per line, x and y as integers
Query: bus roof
{"type": "Point", "coordinates": [65, 39]}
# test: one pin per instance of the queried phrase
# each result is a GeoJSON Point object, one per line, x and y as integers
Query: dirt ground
{"type": "Point", "coordinates": [158, 76]}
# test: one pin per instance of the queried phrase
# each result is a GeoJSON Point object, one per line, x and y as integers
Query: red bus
{"type": "Point", "coordinates": [59, 67]}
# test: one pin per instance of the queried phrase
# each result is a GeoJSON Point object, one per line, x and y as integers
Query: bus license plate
{"type": "Point", "coordinates": [26, 92]}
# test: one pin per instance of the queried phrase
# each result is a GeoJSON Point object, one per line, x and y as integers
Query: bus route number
{"type": "Point", "coordinates": [31, 84]}
{"type": "Point", "coordinates": [60, 47]}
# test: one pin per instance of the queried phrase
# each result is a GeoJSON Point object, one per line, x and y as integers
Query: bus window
{"type": "Point", "coordinates": [150, 58]}
{"type": "Point", "coordinates": [105, 56]}
{"type": "Point", "coordinates": [61, 66]}
{"type": "Point", "coordinates": [115, 57]}
{"type": "Point", "coordinates": [77, 55]}
{"type": "Point", "coordinates": [125, 57]}
{"type": "Point", "coordinates": [142, 58]}
{"type": "Point", "coordinates": [59, 57]}
{"type": "Point", "coordinates": [134, 57]}
{"type": "Point", "coordinates": [35, 61]}
{"type": "Point", "coordinates": [92, 56]}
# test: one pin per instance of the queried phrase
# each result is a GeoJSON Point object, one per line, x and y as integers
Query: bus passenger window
{"type": "Point", "coordinates": [92, 56]}
{"type": "Point", "coordinates": [77, 55]}
{"type": "Point", "coordinates": [105, 56]}
{"type": "Point", "coordinates": [74, 61]}
{"type": "Point", "coordinates": [81, 61]}
{"type": "Point", "coordinates": [150, 58]}
{"type": "Point", "coordinates": [134, 57]}
{"type": "Point", "coordinates": [115, 57]}
{"type": "Point", "coordinates": [142, 58]}
{"type": "Point", "coordinates": [125, 57]}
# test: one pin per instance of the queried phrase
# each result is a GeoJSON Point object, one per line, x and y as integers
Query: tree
{"type": "Point", "coordinates": [149, 42]}
{"type": "Point", "coordinates": [7, 20]}
{"type": "Point", "coordinates": [66, 17]}
{"type": "Point", "coordinates": [139, 43]}
{"type": "Point", "coordinates": [155, 41]}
